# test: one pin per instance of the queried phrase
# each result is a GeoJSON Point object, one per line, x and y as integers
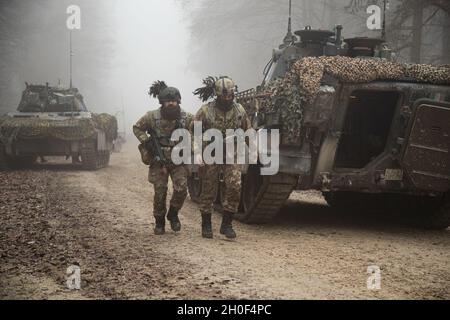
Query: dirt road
{"type": "Point", "coordinates": [55, 216]}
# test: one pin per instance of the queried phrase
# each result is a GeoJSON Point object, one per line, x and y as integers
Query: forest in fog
{"type": "Point", "coordinates": [206, 37]}
{"type": "Point", "coordinates": [238, 37]}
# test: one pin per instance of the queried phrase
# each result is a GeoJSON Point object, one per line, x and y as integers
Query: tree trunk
{"type": "Point", "coordinates": [443, 4]}
{"type": "Point", "coordinates": [417, 26]}
{"type": "Point", "coordinates": [446, 40]}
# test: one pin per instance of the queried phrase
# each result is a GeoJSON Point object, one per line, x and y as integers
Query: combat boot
{"type": "Point", "coordinates": [206, 226]}
{"type": "Point", "coordinates": [226, 228]}
{"type": "Point", "coordinates": [160, 224]}
{"type": "Point", "coordinates": [172, 216]}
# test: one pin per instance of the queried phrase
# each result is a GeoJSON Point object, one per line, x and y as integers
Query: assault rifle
{"type": "Point", "coordinates": [154, 147]}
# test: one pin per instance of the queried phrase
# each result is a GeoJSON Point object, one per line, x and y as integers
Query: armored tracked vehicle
{"type": "Point", "coordinates": [54, 121]}
{"type": "Point", "coordinates": [366, 131]}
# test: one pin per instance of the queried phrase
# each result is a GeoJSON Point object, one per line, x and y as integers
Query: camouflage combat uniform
{"type": "Point", "coordinates": [158, 176]}
{"type": "Point", "coordinates": [214, 118]}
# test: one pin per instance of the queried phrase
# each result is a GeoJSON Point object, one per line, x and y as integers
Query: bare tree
{"type": "Point", "coordinates": [34, 46]}
{"type": "Point", "coordinates": [443, 4]}
{"type": "Point", "coordinates": [237, 38]}
{"type": "Point", "coordinates": [407, 21]}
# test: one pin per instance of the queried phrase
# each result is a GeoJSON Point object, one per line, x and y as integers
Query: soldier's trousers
{"type": "Point", "coordinates": [232, 180]}
{"type": "Point", "coordinates": [160, 179]}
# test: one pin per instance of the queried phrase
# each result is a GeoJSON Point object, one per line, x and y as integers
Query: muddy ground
{"type": "Point", "coordinates": [54, 216]}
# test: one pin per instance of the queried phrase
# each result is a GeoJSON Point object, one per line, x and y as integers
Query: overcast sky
{"type": "Point", "coordinates": [152, 41]}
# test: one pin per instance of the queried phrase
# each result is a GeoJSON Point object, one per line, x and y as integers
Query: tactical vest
{"type": "Point", "coordinates": [223, 121]}
{"type": "Point", "coordinates": [231, 119]}
{"type": "Point", "coordinates": [164, 128]}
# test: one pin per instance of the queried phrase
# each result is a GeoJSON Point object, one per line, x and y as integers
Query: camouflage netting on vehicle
{"type": "Point", "coordinates": [12, 129]}
{"type": "Point", "coordinates": [107, 123]}
{"type": "Point", "coordinates": [301, 84]}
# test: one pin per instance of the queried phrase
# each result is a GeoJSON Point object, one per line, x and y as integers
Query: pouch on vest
{"type": "Point", "coordinates": [146, 155]}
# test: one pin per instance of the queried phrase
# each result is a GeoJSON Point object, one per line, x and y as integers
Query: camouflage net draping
{"type": "Point", "coordinates": [12, 129]}
{"type": "Point", "coordinates": [107, 123]}
{"type": "Point", "coordinates": [301, 84]}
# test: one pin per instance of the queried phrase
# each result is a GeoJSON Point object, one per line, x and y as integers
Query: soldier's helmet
{"type": "Point", "coordinates": [224, 86]}
{"type": "Point", "coordinates": [169, 94]}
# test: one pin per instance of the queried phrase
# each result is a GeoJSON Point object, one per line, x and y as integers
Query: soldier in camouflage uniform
{"type": "Point", "coordinates": [163, 122]}
{"type": "Point", "coordinates": [222, 114]}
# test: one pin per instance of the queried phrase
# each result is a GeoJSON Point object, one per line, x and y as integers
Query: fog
{"type": "Point", "coordinates": [152, 44]}
{"type": "Point", "coordinates": [123, 46]}
{"type": "Point", "coordinates": [237, 38]}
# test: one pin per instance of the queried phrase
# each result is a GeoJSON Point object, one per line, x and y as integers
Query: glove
{"type": "Point", "coordinates": [149, 146]}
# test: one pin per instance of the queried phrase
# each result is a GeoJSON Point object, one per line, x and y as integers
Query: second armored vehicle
{"type": "Point", "coordinates": [54, 121]}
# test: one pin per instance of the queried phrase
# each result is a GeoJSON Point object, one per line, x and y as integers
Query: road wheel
{"type": "Point", "coordinates": [90, 157]}
{"type": "Point", "coordinates": [107, 158]}
{"type": "Point", "coordinates": [76, 159]}
{"type": "Point", "coordinates": [251, 186]}
{"type": "Point", "coordinates": [262, 197]}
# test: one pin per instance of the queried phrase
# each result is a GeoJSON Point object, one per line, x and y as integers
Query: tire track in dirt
{"type": "Point", "coordinates": [309, 252]}
{"type": "Point", "coordinates": [291, 258]}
